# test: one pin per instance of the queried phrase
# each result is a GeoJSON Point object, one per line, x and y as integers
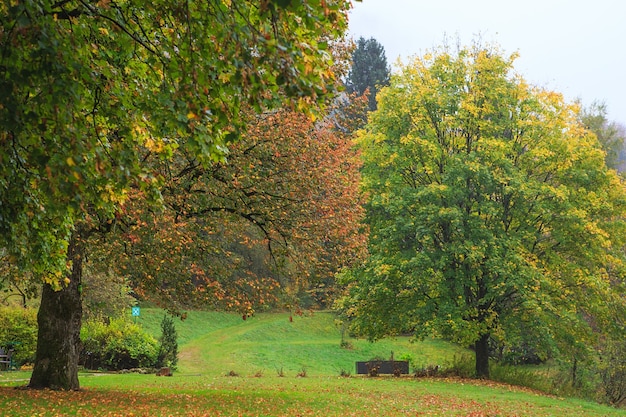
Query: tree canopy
{"type": "Point", "coordinates": [89, 90]}
{"type": "Point", "coordinates": [611, 135]}
{"type": "Point", "coordinates": [282, 213]}
{"type": "Point", "coordinates": [369, 70]}
{"type": "Point", "coordinates": [491, 210]}
{"type": "Point", "coordinates": [93, 94]}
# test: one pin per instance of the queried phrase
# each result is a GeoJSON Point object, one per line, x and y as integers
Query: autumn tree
{"type": "Point", "coordinates": [89, 90]}
{"type": "Point", "coordinates": [369, 70]}
{"type": "Point", "coordinates": [281, 214]}
{"type": "Point", "coordinates": [491, 210]}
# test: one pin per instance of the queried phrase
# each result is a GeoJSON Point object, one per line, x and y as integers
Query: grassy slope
{"type": "Point", "coordinates": [217, 343]}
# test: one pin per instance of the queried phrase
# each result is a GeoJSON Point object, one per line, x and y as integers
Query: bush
{"type": "Point", "coordinates": [426, 371]}
{"type": "Point", "coordinates": [578, 377]}
{"type": "Point", "coordinates": [612, 370]}
{"type": "Point", "coordinates": [526, 376]}
{"type": "Point", "coordinates": [19, 325]}
{"type": "Point", "coordinates": [461, 365]}
{"type": "Point", "coordinates": [118, 345]}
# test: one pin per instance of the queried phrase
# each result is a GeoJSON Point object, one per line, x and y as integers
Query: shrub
{"type": "Point", "coordinates": [409, 358]}
{"type": "Point", "coordinates": [168, 344]}
{"type": "Point", "coordinates": [118, 345]}
{"type": "Point", "coordinates": [461, 365]}
{"type": "Point", "coordinates": [577, 378]}
{"type": "Point", "coordinates": [527, 376]}
{"type": "Point", "coordinates": [612, 370]}
{"type": "Point", "coordinates": [427, 371]}
{"type": "Point", "coordinates": [19, 325]}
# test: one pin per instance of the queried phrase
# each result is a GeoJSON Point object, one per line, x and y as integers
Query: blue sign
{"type": "Point", "coordinates": [135, 311]}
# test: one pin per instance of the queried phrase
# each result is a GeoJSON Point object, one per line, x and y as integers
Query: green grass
{"type": "Point", "coordinates": [269, 342]}
{"type": "Point", "coordinates": [196, 323]}
{"type": "Point", "coordinates": [195, 395]}
{"type": "Point", "coordinates": [212, 344]}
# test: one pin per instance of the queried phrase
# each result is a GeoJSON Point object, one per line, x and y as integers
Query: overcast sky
{"type": "Point", "coordinates": [576, 47]}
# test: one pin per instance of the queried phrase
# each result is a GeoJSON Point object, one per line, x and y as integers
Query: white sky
{"type": "Point", "coordinates": [576, 47]}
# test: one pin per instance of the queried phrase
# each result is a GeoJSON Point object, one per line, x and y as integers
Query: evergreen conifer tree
{"type": "Point", "coordinates": [369, 69]}
{"type": "Point", "coordinates": [168, 350]}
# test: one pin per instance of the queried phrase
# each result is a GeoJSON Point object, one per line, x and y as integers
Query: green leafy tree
{"type": "Point", "coordinates": [611, 135]}
{"type": "Point", "coordinates": [92, 91]}
{"type": "Point", "coordinates": [490, 210]}
{"type": "Point", "coordinates": [369, 70]}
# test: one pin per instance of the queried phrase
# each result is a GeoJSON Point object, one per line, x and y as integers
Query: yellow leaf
{"type": "Point", "coordinates": [154, 145]}
{"type": "Point", "coordinates": [70, 161]}
{"type": "Point", "coordinates": [224, 77]}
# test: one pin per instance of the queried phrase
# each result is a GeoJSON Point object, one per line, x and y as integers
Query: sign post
{"type": "Point", "coordinates": [135, 310]}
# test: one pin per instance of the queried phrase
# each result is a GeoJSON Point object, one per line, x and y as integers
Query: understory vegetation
{"type": "Point", "coordinates": [118, 343]}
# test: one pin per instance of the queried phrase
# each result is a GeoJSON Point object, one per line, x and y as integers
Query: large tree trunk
{"type": "Point", "coordinates": [59, 319]}
{"type": "Point", "coordinates": [482, 356]}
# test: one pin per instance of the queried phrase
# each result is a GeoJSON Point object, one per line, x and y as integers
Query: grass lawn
{"type": "Point", "coordinates": [215, 344]}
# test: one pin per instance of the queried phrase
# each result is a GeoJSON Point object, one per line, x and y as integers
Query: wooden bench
{"type": "Point", "coordinates": [6, 362]}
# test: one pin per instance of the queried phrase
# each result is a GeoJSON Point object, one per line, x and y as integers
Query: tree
{"type": "Point", "coordinates": [283, 213]}
{"type": "Point", "coordinates": [611, 135]}
{"type": "Point", "coordinates": [482, 190]}
{"type": "Point", "coordinates": [89, 91]}
{"type": "Point", "coordinates": [168, 344]}
{"type": "Point", "coordinates": [104, 293]}
{"type": "Point", "coordinates": [369, 70]}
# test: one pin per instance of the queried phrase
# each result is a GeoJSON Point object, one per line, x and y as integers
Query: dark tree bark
{"type": "Point", "coordinates": [59, 319]}
{"type": "Point", "coordinates": [482, 356]}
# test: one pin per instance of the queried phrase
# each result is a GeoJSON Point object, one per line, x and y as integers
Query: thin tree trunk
{"type": "Point", "coordinates": [575, 373]}
{"type": "Point", "coordinates": [59, 320]}
{"type": "Point", "coordinates": [482, 357]}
